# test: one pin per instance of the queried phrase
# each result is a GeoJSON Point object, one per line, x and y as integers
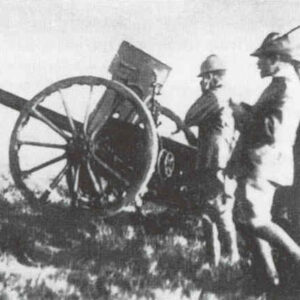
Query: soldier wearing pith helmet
{"type": "Point", "coordinates": [212, 114]}
{"type": "Point", "coordinates": [210, 67]}
{"type": "Point", "coordinates": [264, 154]}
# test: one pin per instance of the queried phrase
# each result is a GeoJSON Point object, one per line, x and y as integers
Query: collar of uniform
{"type": "Point", "coordinates": [286, 71]}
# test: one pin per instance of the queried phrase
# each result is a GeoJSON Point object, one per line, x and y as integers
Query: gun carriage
{"type": "Point", "coordinates": [100, 138]}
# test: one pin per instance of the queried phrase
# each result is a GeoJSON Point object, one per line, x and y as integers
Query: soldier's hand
{"type": "Point", "coordinates": [220, 176]}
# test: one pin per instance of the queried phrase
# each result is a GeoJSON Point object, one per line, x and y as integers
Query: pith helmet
{"type": "Point", "coordinates": [211, 63]}
{"type": "Point", "coordinates": [274, 43]}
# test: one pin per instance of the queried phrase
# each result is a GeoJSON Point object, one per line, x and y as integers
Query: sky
{"type": "Point", "coordinates": [43, 41]}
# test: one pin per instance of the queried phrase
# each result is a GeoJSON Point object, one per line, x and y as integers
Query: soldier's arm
{"type": "Point", "coordinates": [271, 112]}
{"type": "Point", "coordinates": [202, 109]}
{"type": "Point", "coordinates": [191, 138]}
{"type": "Point", "coordinates": [272, 124]}
{"type": "Point", "coordinates": [192, 118]}
{"type": "Point", "coordinates": [274, 115]}
{"type": "Point", "coordinates": [242, 113]}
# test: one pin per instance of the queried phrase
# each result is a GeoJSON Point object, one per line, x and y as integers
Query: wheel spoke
{"type": "Point", "coordinates": [67, 110]}
{"type": "Point", "coordinates": [39, 144]}
{"type": "Point", "coordinates": [87, 112]}
{"type": "Point", "coordinates": [130, 116]}
{"type": "Point", "coordinates": [94, 179]}
{"type": "Point", "coordinates": [43, 165]}
{"type": "Point", "coordinates": [76, 179]}
{"type": "Point", "coordinates": [44, 119]}
{"type": "Point", "coordinates": [111, 170]}
{"type": "Point", "coordinates": [54, 183]}
{"type": "Point", "coordinates": [106, 107]}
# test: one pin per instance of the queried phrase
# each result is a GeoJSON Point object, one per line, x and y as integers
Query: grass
{"type": "Point", "coordinates": [57, 253]}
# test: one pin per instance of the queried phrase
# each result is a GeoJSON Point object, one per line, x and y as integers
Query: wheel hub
{"type": "Point", "coordinates": [78, 149]}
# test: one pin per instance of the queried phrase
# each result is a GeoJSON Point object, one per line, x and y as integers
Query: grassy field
{"type": "Point", "coordinates": [56, 253]}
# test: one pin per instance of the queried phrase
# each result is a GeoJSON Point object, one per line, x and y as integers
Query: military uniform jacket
{"type": "Point", "coordinates": [265, 147]}
{"type": "Point", "coordinates": [213, 116]}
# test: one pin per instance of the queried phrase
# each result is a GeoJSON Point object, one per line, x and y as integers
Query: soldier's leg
{"type": "Point", "coordinates": [224, 206]}
{"type": "Point", "coordinates": [262, 249]}
{"type": "Point", "coordinates": [211, 236]}
{"type": "Point", "coordinates": [228, 229]}
{"type": "Point", "coordinates": [265, 252]}
{"type": "Point", "coordinates": [258, 203]}
{"type": "Point", "coordinates": [277, 236]}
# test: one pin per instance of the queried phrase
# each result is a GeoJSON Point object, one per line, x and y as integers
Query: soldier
{"type": "Point", "coordinates": [212, 114]}
{"type": "Point", "coordinates": [263, 157]}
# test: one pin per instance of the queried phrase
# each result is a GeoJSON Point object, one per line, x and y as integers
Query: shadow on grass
{"type": "Point", "coordinates": [127, 253]}
{"type": "Point", "coordinates": [123, 256]}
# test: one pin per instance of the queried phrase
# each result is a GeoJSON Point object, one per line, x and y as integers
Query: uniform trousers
{"type": "Point", "coordinates": [218, 222]}
{"type": "Point", "coordinates": [255, 196]}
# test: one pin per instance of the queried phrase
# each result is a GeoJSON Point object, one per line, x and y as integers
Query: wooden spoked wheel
{"type": "Point", "coordinates": [77, 144]}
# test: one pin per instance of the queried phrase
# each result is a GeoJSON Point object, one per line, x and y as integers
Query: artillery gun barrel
{"type": "Point", "coordinates": [18, 103]}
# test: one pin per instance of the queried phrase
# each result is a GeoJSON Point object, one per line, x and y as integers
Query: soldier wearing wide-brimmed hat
{"type": "Point", "coordinates": [212, 114]}
{"type": "Point", "coordinates": [263, 158]}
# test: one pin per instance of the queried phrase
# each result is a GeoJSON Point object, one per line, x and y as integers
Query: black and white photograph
{"type": "Point", "coordinates": [150, 149]}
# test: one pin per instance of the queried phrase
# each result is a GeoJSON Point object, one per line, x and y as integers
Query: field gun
{"type": "Point", "coordinates": [94, 142]}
